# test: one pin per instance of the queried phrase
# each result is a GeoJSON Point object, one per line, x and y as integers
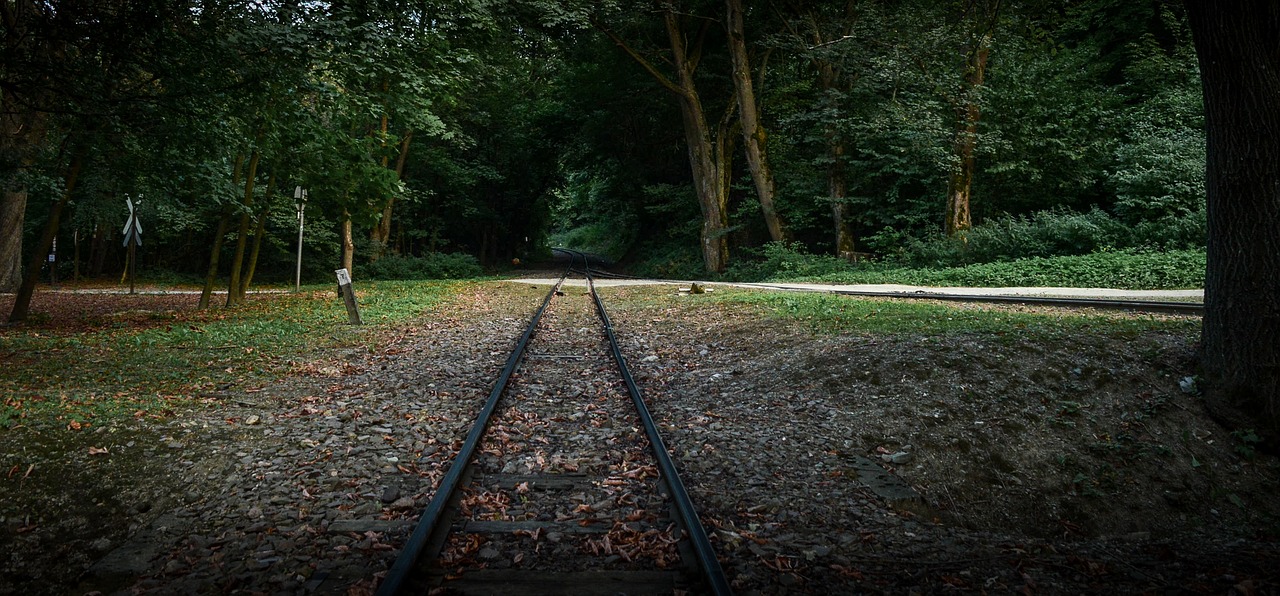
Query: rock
{"type": "Point", "coordinates": [252, 420]}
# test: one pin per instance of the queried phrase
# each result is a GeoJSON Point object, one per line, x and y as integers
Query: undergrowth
{"type": "Point", "coordinates": [1129, 270]}
{"type": "Point", "coordinates": [430, 266]}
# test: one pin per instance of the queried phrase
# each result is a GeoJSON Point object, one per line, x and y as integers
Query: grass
{"type": "Point", "coordinates": [1120, 270]}
{"type": "Point", "coordinates": [123, 371]}
{"type": "Point", "coordinates": [841, 314]}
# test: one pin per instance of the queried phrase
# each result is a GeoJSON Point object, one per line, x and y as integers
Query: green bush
{"type": "Point", "coordinates": [600, 238]}
{"type": "Point", "coordinates": [670, 261]}
{"type": "Point", "coordinates": [1119, 269]}
{"type": "Point", "coordinates": [1126, 269]}
{"type": "Point", "coordinates": [431, 266]}
{"type": "Point", "coordinates": [1045, 234]}
{"type": "Point", "coordinates": [784, 260]}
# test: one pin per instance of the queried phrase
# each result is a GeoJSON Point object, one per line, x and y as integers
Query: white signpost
{"type": "Point", "coordinates": [132, 238]}
{"type": "Point", "coordinates": [348, 296]}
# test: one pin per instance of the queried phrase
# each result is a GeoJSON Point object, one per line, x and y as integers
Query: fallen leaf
{"type": "Point", "coordinates": [98, 451]}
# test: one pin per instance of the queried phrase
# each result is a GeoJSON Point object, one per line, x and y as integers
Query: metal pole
{"type": "Point", "coordinates": [297, 284]}
{"type": "Point", "coordinates": [53, 264]}
{"type": "Point", "coordinates": [300, 195]}
{"type": "Point", "coordinates": [133, 263]}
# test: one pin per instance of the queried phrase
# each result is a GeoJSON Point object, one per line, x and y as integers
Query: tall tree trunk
{"type": "Point", "coordinates": [242, 232]}
{"type": "Point", "coordinates": [258, 232]}
{"type": "Point", "coordinates": [215, 255]}
{"type": "Point", "coordinates": [753, 132]}
{"type": "Point", "coordinates": [13, 209]}
{"type": "Point", "coordinates": [98, 250]}
{"type": "Point", "coordinates": [837, 188]}
{"type": "Point", "coordinates": [705, 161]}
{"type": "Point", "coordinates": [22, 302]}
{"type": "Point", "coordinates": [707, 158]}
{"type": "Point", "coordinates": [1239, 61]}
{"type": "Point", "coordinates": [21, 131]}
{"type": "Point", "coordinates": [381, 234]}
{"type": "Point", "coordinates": [75, 258]}
{"type": "Point", "coordinates": [838, 191]}
{"type": "Point", "coordinates": [969, 111]}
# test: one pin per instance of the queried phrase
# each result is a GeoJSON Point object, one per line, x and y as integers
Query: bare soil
{"type": "Point", "coordinates": [1071, 467]}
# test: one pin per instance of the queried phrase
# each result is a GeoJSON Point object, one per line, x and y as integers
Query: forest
{"type": "Point", "coordinates": [677, 137]}
{"type": "Point", "coordinates": [436, 138]}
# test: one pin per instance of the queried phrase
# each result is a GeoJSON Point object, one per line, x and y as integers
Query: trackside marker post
{"type": "Point", "coordinates": [348, 296]}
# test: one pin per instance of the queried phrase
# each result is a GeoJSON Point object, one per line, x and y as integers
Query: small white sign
{"type": "Point", "coordinates": [344, 278]}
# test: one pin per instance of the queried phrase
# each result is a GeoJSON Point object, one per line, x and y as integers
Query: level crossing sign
{"type": "Point", "coordinates": [132, 228]}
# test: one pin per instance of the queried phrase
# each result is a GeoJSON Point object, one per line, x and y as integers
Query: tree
{"type": "Point", "coordinates": [979, 18]}
{"type": "Point", "coordinates": [753, 132]}
{"type": "Point", "coordinates": [1239, 61]}
{"type": "Point", "coordinates": [28, 49]}
{"type": "Point", "coordinates": [709, 148]}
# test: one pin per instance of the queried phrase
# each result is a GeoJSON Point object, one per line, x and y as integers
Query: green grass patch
{"type": "Point", "coordinates": [122, 370]}
{"type": "Point", "coordinates": [843, 314]}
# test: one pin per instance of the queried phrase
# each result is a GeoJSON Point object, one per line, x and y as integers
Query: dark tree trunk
{"type": "Point", "coordinates": [837, 190]}
{"type": "Point", "coordinates": [753, 131]}
{"type": "Point", "coordinates": [959, 214]}
{"type": "Point", "coordinates": [98, 251]}
{"type": "Point", "coordinates": [708, 149]}
{"type": "Point", "coordinates": [1240, 70]}
{"type": "Point", "coordinates": [381, 234]}
{"type": "Point", "coordinates": [242, 232]}
{"type": "Point", "coordinates": [13, 209]}
{"type": "Point", "coordinates": [22, 302]}
{"type": "Point", "coordinates": [259, 231]}
{"type": "Point", "coordinates": [214, 256]}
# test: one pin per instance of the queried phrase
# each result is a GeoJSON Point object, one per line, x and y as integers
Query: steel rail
{"type": "Point", "coordinates": [1138, 305]}
{"type": "Point", "coordinates": [404, 564]}
{"type": "Point", "coordinates": [1166, 306]}
{"type": "Point", "coordinates": [705, 554]}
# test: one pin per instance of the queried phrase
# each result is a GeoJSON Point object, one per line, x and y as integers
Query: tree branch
{"type": "Point", "coordinates": [644, 63]}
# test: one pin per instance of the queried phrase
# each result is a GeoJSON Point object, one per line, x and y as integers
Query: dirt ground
{"type": "Point", "coordinates": [1013, 445]}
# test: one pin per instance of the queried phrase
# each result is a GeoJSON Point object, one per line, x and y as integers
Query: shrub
{"type": "Point", "coordinates": [1051, 233]}
{"type": "Point", "coordinates": [1118, 269]}
{"type": "Point", "coordinates": [784, 260]}
{"type": "Point", "coordinates": [430, 266]}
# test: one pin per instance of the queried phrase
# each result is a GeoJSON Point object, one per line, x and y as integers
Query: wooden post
{"type": "Point", "coordinates": [348, 296]}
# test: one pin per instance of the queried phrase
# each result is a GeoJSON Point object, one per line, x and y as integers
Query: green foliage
{"type": "Point", "coordinates": [1247, 443]}
{"type": "Point", "coordinates": [1112, 269]}
{"type": "Point", "coordinates": [430, 266]}
{"type": "Point", "coordinates": [670, 261]}
{"type": "Point", "coordinates": [1046, 234]}
{"type": "Point", "coordinates": [599, 238]}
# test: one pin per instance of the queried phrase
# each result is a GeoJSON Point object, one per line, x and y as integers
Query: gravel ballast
{"type": "Point", "coordinates": [1019, 466]}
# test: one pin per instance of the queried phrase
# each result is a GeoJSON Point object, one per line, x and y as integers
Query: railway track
{"type": "Point", "coordinates": [563, 484]}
